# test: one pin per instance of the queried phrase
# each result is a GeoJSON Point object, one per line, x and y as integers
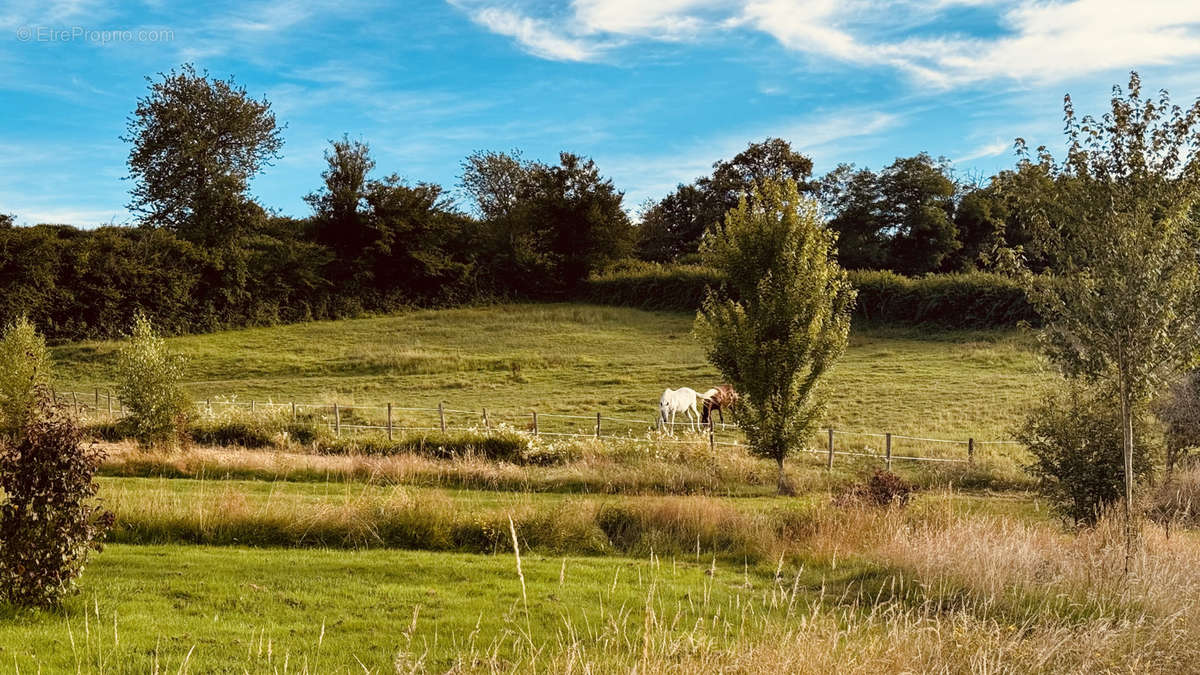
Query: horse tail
{"type": "Point", "coordinates": [709, 394]}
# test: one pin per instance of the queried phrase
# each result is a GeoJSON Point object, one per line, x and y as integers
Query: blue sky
{"type": "Point", "coordinates": [653, 91]}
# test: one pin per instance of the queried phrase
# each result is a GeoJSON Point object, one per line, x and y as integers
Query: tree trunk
{"type": "Point", "coordinates": [782, 486]}
{"type": "Point", "coordinates": [1127, 433]}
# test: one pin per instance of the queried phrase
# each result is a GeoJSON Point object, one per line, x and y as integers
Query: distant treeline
{"type": "Point", "coordinates": [204, 254]}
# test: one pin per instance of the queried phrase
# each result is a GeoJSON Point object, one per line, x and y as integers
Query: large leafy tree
{"type": "Point", "coordinates": [782, 320]}
{"type": "Point", "coordinates": [545, 228]}
{"type": "Point", "coordinates": [675, 226]}
{"type": "Point", "coordinates": [391, 241]}
{"type": "Point", "coordinates": [339, 221]}
{"type": "Point", "coordinates": [197, 141]}
{"type": "Point", "coordinates": [1125, 307]}
{"type": "Point", "coordinates": [917, 206]}
{"type": "Point", "coordinates": [852, 203]}
{"type": "Point", "coordinates": [901, 218]}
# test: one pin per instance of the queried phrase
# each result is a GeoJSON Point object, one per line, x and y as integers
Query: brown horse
{"type": "Point", "coordinates": [720, 399]}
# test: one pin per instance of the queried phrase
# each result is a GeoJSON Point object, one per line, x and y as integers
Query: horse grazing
{"type": "Point", "coordinates": [720, 399]}
{"type": "Point", "coordinates": [681, 400]}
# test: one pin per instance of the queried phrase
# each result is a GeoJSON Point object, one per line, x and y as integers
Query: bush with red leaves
{"type": "Point", "coordinates": [49, 522]}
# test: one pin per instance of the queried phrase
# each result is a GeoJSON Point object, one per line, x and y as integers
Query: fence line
{"type": "Point", "coordinates": [106, 405]}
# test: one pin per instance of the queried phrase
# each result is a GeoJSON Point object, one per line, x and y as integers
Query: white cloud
{"type": "Point", "coordinates": [1031, 40]}
{"type": "Point", "coordinates": [538, 37]}
{"type": "Point", "coordinates": [987, 150]}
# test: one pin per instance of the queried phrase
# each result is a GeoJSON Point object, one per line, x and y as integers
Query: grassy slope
{"type": "Point", "coordinates": [579, 359]}
{"type": "Point", "coordinates": [250, 609]}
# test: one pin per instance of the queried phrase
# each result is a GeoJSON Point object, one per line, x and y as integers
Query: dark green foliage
{"type": "Point", "coordinates": [918, 208]}
{"type": "Point", "coordinates": [49, 522]}
{"type": "Point", "coordinates": [1076, 441]}
{"type": "Point", "coordinates": [1179, 411]}
{"type": "Point", "coordinates": [851, 202]}
{"type": "Point", "coordinates": [673, 228]}
{"type": "Point", "coordinates": [900, 219]}
{"type": "Point", "coordinates": [544, 229]}
{"type": "Point", "coordinates": [652, 286]}
{"type": "Point", "coordinates": [972, 300]}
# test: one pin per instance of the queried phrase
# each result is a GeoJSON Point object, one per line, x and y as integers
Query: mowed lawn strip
{"type": "Point", "coordinates": [237, 609]}
{"type": "Point", "coordinates": [583, 359]}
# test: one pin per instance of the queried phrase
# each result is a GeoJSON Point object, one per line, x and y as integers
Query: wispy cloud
{"type": "Point", "coordinates": [1029, 40]}
{"type": "Point", "coordinates": [539, 37]}
{"type": "Point", "coordinates": [988, 150]}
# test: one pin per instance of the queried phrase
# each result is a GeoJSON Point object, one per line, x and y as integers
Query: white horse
{"type": "Point", "coordinates": [682, 400]}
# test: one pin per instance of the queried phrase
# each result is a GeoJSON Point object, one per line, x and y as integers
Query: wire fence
{"type": "Point", "coordinates": [389, 419]}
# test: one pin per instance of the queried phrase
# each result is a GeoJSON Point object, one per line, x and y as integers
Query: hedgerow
{"type": "Point", "coordinates": [960, 300]}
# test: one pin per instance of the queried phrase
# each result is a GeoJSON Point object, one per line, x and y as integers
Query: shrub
{"type": "Point", "coordinates": [48, 521]}
{"type": "Point", "coordinates": [501, 444]}
{"type": "Point", "coordinates": [1076, 441]}
{"type": "Point", "coordinates": [1176, 501]}
{"type": "Point", "coordinates": [149, 379]}
{"type": "Point", "coordinates": [882, 489]}
{"type": "Point", "coordinates": [23, 368]}
{"type": "Point", "coordinates": [652, 286]}
{"type": "Point", "coordinates": [970, 300]}
{"type": "Point", "coordinates": [1179, 411]}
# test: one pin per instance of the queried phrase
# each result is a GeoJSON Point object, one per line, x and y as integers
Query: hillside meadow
{"type": "Point", "coordinates": [583, 359]}
{"type": "Point", "coordinates": [646, 553]}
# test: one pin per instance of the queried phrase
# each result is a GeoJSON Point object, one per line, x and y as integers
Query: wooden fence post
{"type": "Point", "coordinates": [486, 425]}
{"type": "Point", "coordinates": [535, 429]}
{"type": "Point", "coordinates": [971, 451]}
{"type": "Point", "coordinates": [888, 452]}
{"type": "Point", "coordinates": [293, 411]}
{"type": "Point", "coordinates": [712, 438]}
{"type": "Point", "coordinates": [110, 405]}
{"type": "Point", "coordinates": [389, 420]}
{"type": "Point", "coordinates": [442, 416]}
{"type": "Point", "coordinates": [337, 420]}
{"type": "Point", "coordinates": [830, 465]}
{"type": "Point", "coordinates": [597, 425]}
{"type": "Point", "coordinates": [75, 403]}
{"type": "Point", "coordinates": [251, 405]}
{"type": "Point", "coordinates": [97, 399]}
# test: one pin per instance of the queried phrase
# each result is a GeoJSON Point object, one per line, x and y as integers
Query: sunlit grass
{"type": "Point", "coordinates": [570, 358]}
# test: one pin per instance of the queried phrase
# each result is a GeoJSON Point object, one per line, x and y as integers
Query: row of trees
{"type": "Point", "coordinates": [206, 254]}
{"type": "Point", "coordinates": [914, 216]}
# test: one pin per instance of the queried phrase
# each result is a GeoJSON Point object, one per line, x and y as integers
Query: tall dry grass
{"type": "Point", "coordinates": [929, 589]}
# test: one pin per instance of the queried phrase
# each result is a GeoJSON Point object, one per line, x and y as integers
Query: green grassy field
{"type": "Point", "coordinates": [151, 608]}
{"type": "Point", "coordinates": [644, 554]}
{"type": "Point", "coordinates": [580, 359]}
